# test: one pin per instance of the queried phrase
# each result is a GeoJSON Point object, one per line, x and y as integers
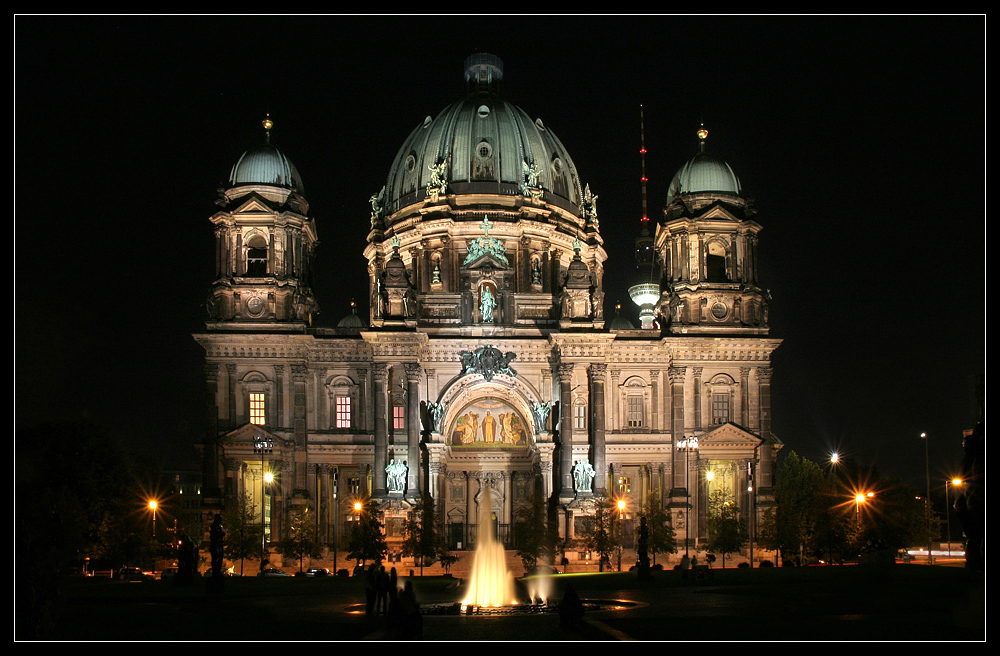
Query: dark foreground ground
{"type": "Point", "coordinates": [902, 602]}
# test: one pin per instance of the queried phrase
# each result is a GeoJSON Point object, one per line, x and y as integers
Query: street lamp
{"type": "Point", "coordinates": [263, 446]}
{"type": "Point", "coordinates": [947, 508]}
{"type": "Point", "coordinates": [621, 531]}
{"type": "Point", "coordinates": [927, 504]}
{"type": "Point", "coordinates": [687, 445]}
{"type": "Point", "coordinates": [152, 506]}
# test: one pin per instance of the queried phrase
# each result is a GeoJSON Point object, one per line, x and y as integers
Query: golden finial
{"type": "Point", "coordinates": [268, 123]}
{"type": "Point", "coordinates": [702, 132]}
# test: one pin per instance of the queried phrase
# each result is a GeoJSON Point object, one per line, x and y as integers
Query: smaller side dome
{"type": "Point", "coordinates": [704, 174]}
{"type": "Point", "coordinates": [352, 320]}
{"type": "Point", "coordinates": [266, 165]}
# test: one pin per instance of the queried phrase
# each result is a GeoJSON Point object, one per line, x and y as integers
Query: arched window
{"type": "Point", "coordinates": [721, 393]}
{"type": "Point", "coordinates": [342, 392]}
{"type": "Point", "coordinates": [715, 262]}
{"type": "Point", "coordinates": [256, 256]}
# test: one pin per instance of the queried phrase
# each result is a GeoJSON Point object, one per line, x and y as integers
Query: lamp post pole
{"type": "Point", "coordinates": [152, 506]}
{"type": "Point", "coordinates": [687, 444]}
{"type": "Point", "coordinates": [947, 508]}
{"type": "Point", "coordinates": [263, 446]}
{"type": "Point", "coordinates": [927, 503]}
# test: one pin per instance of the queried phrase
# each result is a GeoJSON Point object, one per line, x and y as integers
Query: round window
{"type": "Point", "coordinates": [483, 111]}
{"type": "Point", "coordinates": [719, 310]}
{"type": "Point", "coordinates": [484, 150]}
{"type": "Point", "coordinates": [411, 162]}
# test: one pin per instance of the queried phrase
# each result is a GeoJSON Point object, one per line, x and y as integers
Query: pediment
{"type": "Point", "coordinates": [248, 434]}
{"type": "Point", "coordinates": [729, 435]}
{"type": "Point", "coordinates": [487, 260]}
{"type": "Point", "coordinates": [254, 204]}
{"type": "Point", "coordinates": [718, 212]}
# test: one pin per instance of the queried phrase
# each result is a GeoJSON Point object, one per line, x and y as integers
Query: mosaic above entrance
{"type": "Point", "coordinates": [490, 423]}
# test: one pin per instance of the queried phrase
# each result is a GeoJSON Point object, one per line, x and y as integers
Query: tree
{"type": "Point", "coordinates": [898, 517]}
{"type": "Point", "coordinates": [367, 541]}
{"type": "Point", "coordinates": [300, 540]}
{"type": "Point", "coordinates": [422, 535]}
{"type": "Point", "coordinates": [727, 531]}
{"type": "Point", "coordinates": [661, 529]}
{"type": "Point", "coordinates": [536, 538]}
{"type": "Point", "coordinates": [243, 530]}
{"type": "Point", "coordinates": [600, 535]}
{"type": "Point", "coordinates": [798, 494]}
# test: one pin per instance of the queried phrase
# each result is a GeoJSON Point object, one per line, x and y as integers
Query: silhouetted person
{"type": "Point", "coordinates": [185, 560]}
{"type": "Point", "coordinates": [216, 536]}
{"type": "Point", "coordinates": [371, 577]}
{"type": "Point", "coordinates": [570, 608]}
{"type": "Point", "coordinates": [382, 587]}
{"type": "Point", "coordinates": [412, 624]}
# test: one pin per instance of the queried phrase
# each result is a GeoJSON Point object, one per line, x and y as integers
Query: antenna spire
{"type": "Point", "coordinates": [642, 151]}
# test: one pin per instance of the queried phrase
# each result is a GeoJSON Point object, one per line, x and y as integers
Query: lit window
{"type": "Point", "coordinates": [257, 408]}
{"type": "Point", "coordinates": [343, 410]}
{"type": "Point", "coordinates": [398, 417]}
{"type": "Point", "coordinates": [580, 416]}
{"type": "Point", "coordinates": [256, 256]}
{"type": "Point", "coordinates": [624, 484]}
{"type": "Point", "coordinates": [720, 408]}
{"type": "Point", "coordinates": [635, 412]}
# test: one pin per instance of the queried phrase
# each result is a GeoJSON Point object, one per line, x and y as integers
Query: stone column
{"type": "Point", "coordinates": [616, 420]}
{"type": "Point", "coordinates": [210, 459]}
{"type": "Point", "coordinates": [764, 380]}
{"type": "Point", "coordinates": [299, 418]}
{"type": "Point", "coordinates": [696, 371]}
{"type": "Point", "coordinates": [379, 375]}
{"type": "Point", "coordinates": [279, 395]}
{"type": "Point", "coordinates": [324, 500]}
{"type": "Point", "coordinates": [566, 430]}
{"type": "Point", "coordinates": [470, 504]}
{"type": "Point", "coordinates": [413, 374]}
{"type": "Point", "coordinates": [508, 497]}
{"type": "Point", "coordinates": [598, 451]}
{"type": "Point", "coordinates": [654, 384]}
{"type": "Point", "coordinates": [745, 397]}
{"type": "Point", "coordinates": [361, 413]}
{"type": "Point", "coordinates": [677, 376]}
{"type": "Point", "coordinates": [231, 419]}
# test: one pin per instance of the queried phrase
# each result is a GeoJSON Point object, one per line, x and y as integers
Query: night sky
{"type": "Point", "coordinates": [861, 139]}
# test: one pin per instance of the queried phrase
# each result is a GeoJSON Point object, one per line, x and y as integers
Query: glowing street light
{"type": "Point", "coordinates": [621, 530]}
{"type": "Point", "coordinates": [947, 508]}
{"type": "Point", "coordinates": [687, 445]}
{"type": "Point", "coordinates": [263, 445]}
{"type": "Point", "coordinates": [152, 506]}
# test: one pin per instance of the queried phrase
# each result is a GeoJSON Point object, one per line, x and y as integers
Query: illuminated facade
{"type": "Point", "coordinates": [485, 360]}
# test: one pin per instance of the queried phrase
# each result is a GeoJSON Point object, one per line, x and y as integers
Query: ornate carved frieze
{"type": "Point", "coordinates": [487, 361]}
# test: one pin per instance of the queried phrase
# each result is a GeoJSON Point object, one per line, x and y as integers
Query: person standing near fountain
{"type": "Point", "coordinates": [412, 624]}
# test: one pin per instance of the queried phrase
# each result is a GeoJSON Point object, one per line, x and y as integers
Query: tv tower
{"type": "Point", "coordinates": [646, 293]}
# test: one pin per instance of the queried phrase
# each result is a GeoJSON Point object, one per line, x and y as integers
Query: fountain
{"type": "Point", "coordinates": [491, 583]}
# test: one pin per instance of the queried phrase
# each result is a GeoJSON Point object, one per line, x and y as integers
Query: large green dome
{"type": "Point", "coordinates": [482, 144]}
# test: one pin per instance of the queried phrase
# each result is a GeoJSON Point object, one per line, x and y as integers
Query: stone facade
{"type": "Point", "coordinates": [485, 361]}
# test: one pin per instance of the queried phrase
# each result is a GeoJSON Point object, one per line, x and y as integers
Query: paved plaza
{"type": "Point", "coordinates": [903, 602]}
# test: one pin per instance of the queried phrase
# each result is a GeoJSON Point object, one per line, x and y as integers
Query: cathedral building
{"type": "Point", "coordinates": [486, 360]}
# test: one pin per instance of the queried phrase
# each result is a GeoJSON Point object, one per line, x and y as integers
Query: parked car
{"type": "Point", "coordinates": [273, 571]}
{"type": "Point", "coordinates": [317, 571]}
{"type": "Point", "coordinates": [133, 574]}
